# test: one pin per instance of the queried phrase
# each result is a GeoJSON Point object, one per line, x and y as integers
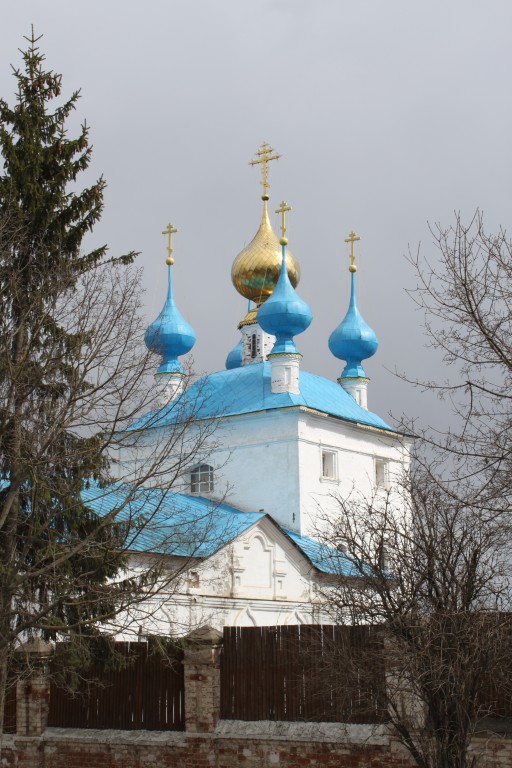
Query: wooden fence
{"type": "Point", "coordinates": [302, 673]}
{"type": "Point", "coordinates": [295, 673]}
{"type": "Point", "coordinates": [146, 693]}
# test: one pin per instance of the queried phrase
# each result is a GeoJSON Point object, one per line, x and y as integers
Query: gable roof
{"type": "Point", "coordinates": [170, 523]}
{"type": "Point", "coordinates": [248, 390]}
{"type": "Point", "coordinates": [180, 525]}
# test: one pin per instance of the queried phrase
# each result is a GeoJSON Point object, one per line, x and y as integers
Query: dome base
{"type": "Point", "coordinates": [357, 387]}
{"type": "Point", "coordinates": [285, 373]}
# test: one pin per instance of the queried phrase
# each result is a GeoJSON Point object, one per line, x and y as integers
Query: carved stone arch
{"type": "Point", "coordinates": [267, 545]}
{"type": "Point", "coordinates": [245, 618]}
{"type": "Point", "coordinates": [297, 617]}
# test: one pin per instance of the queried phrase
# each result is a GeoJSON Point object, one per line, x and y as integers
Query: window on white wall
{"type": "Point", "coordinates": [201, 479]}
{"type": "Point", "coordinates": [193, 579]}
{"type": "Point", "coordinates": [382, 473]}
{"type": "Point", "coordinates": [329, 465]}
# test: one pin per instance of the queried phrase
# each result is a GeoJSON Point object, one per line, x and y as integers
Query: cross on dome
{"type": "Point", "coordinates": [284, 314]}
{"type": "Point", "coordinates": [169, 231]}
{"type": "Point", "coordinates": [283, 209]}
{"type": "Point", "coordinates": [265, 156]}
{"type": "Point", "coordinates": [352, 239]}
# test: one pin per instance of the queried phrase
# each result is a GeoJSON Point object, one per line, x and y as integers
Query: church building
{"type": "Point", "coordinates": [281, 445]}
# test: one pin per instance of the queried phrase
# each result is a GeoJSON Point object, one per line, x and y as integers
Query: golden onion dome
{"type": "Point", "coordinates": [256, 269]}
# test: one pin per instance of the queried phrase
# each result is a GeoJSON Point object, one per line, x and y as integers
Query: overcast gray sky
{"type": "Point", "coordinates": [387, 115]}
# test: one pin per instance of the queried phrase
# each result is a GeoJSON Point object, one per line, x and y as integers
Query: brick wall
{"type": "Point", "coordinates": [121, 749]}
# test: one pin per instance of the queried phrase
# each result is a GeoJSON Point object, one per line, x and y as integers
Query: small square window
{"type": "Point", "coordinates": [329, 465]}
{"type": "Point", "coordinates": [382, 473]}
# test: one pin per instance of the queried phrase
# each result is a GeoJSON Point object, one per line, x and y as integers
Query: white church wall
{"type": "Point", "coordinates": [290, 463]}
{"type": "Point", "coordinates": [257, 464]}
{"type": "Point", "coordinates": [148, 455]}
{"type": "Point", "coordinates": [337, 458]}
{"type": "Point", "coordinates": [273, 462]}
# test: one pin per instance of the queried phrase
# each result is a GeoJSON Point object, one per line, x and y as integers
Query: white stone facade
{"type": "Point", "coordinates": [277, 462]}
{"type": "Point", "coordinates": [259, 579]}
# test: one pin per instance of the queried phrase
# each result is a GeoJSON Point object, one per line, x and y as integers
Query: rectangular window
{"type": "Point", "coordinates": [381, 473]}
{"type": "Point", "coordinates": [329, 465]}
{"type": "Point", "coordinates": [254, 350]}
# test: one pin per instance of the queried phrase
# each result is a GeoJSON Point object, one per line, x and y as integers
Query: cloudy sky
{"type": "Point", "coordinates": [388, 116]}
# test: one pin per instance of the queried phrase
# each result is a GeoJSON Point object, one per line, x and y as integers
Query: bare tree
{"type": "Point", "coordinates": [433, 554]}
{"type": "Point", "coordinates": [464, 289]}
{"type": "Point", "coordinates": [434, 574]}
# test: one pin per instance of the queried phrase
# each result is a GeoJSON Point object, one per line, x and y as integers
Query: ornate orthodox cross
{"type": "Point", "coordinates": [264, 157]}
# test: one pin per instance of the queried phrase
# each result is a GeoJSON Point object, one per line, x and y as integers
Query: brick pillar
{"type": "Point", "coordinates": [33, 692]}
{"type": "Point", "coordinates": [202, 680]}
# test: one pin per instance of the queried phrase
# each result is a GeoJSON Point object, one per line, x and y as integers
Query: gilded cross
{"type": "Point", "coordinates": [170, 231]}
{"type": "Point", "coordinates": [352, 239]}
{"type": "Point", "coordinates": [283, 210]}
{"type": "Point", "coordinates": [264, 157]}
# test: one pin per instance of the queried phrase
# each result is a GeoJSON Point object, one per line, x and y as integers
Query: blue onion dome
{"type": "Point", "coordinates": [170, 335]}
{"type": "Point", "coordinates": [284, 314]}
{"type": "Point", "coordinates": [234, 359]}
{"type": "Point", "coordinates": [353, 340]}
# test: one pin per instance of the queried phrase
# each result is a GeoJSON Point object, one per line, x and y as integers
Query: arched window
{"type": "Point", "coordinates": [201, 479]}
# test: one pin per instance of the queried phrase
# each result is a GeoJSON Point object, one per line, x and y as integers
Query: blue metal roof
{"type": "Point", "coordinates": [192, 526]}
{"type": "Point", "coordinates": [326, 559]}
{"type": "Point", "coordinates": [247, 390]}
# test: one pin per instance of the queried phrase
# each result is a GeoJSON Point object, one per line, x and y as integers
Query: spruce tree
{"type": "Point", "coordinates": [57, 559]}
